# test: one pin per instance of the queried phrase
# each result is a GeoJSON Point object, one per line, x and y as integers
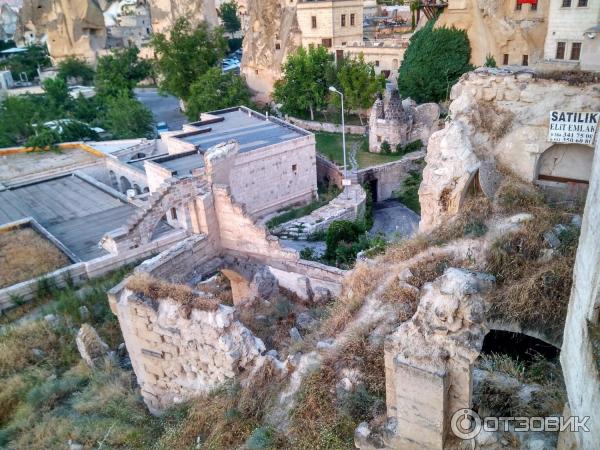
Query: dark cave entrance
{"type": "Point", "coordinates": [518, 346]}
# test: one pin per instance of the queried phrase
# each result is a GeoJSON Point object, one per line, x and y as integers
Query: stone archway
{"type": "Point", "coordinates": [240, 286]}
{"type": "Point", "coordinates": [565, 163]}
{"type": "Point", "coordinates": [137, 189]}
{"type": "Point", "coordinates": [125, 184]}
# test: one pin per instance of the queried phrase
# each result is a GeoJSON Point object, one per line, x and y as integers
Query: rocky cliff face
{"type": "Point", "coordinates": [495, 27]}
{"type": "Point", "coordinates": [501, 117]}
{"type": "Point", "coordinates": [9, 17]}
{"type": "Point", "coordinates": [272, 34]}
{"type": "Point", "coordinates": [164, 13]}
{"type": "Point", "coordinates": [70, 27]}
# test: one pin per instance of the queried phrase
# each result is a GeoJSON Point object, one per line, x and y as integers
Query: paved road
{"type": "Point", "coordinates": [395, 220]}
{"type": "Point", "coordinates": [164, 108]}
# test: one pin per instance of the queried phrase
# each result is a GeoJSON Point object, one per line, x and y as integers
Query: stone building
{"type": "Point", "coordinates": [330, 23]}
{"type": "Point", "coordinates": [400, 122]}
{"type": "Point", "coordinates": [573, 38]}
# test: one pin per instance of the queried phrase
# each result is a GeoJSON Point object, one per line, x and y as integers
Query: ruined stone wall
{"type": "Point", "coordinates": [496, 27]}
{"type": "Point", "coordinates": [499, 116]}
{"type": "Point", "coordinates": [178, 353]}
{"type": "Point", "coordinates": [580, 356]}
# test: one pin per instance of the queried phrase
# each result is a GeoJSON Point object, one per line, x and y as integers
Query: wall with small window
{"type": "Point", "coordinates": [566, 38]}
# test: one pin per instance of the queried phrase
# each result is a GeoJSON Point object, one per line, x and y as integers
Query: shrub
{"type": "Point", "coordinates": [385, 148]}
{"type": "Point", "coordinates": [340, 231]}
{"type": "Point", "coordinates": [434, 60]}
{"type": "Point", "coordinates": [490, 61]}
{"type": "Point", "coordinates": [409, 192]}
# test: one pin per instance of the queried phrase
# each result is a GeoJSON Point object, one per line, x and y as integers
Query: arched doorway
{"type": "Point", "coordinates": [125, 185]}
{"type": "Point", "coordinates": [566, 163]}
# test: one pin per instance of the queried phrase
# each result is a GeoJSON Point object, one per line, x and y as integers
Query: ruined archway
{"type": "Point", "coordinates": [240, 286]}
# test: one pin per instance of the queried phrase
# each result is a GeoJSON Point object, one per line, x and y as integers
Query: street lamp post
{"type": "Point", "coordinates": [345, 181]}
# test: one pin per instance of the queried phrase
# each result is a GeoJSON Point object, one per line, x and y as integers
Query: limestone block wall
{"type": "Point", "coordinates": [277, 176]}
{"type": "Point", "coordinates": [500, 116]}
{"type": "Point", "coordinates": [178, 352]}
{"type": "Point", "coordinates": [580, 356]}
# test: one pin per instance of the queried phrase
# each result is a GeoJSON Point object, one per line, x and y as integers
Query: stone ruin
{"type": "Point", "coordinates": [180, 340]}
{"type": "Point", "coordinates": [428, 364]}
{"type": "Point", "coordinates": [399, 122]}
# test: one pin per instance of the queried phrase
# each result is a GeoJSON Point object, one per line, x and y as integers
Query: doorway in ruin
{"type": "Point", "coordinates": [566, 163]}
{"type": "Point", "coordinates": [518, 375]}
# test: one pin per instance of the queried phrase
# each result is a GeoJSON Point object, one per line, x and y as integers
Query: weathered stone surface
{"type": "Point", "coordinates": [433, 354]}
{"type": "Point", "coordinates": [501, 129]}
{"type": "Point", "coordinates": [91, 347]}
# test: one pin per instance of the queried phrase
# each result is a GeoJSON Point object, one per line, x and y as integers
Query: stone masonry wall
{"type": "Point", "coordinates": [177, 353]}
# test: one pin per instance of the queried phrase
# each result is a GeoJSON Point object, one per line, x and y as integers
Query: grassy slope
{"type": "Point", "coordinates": [330, 145]}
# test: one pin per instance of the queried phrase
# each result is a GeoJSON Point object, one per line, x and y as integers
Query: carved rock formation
{"type": "Point", "coordinates": [495, 28]}
{"type": "Point", "coordinates": [70, 27]}
{"type": "Point", "coordinates": [272, 24]}
{"type": "Point", "coordinates": [500, 117]}
{"type": "Point", "coordinates": [164, 13]}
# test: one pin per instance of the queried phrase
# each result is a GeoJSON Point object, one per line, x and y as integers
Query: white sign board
{"type": "Point", "coordinates": [573, 127]}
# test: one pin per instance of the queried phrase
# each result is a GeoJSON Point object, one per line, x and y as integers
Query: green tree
{"type": "Point", "coordinates": [228, 14]}
{"type": "Point", "coordinates": [433, 62]}
{"type": "Point", "coordinates": [43, 139]}
{"type": "Point", "coordinates": [305, 82]}
{"type": "Point", "coordinates": [125, 117]}
{"type": "Point", "coordinates": [77, 69]}
{"type": "Point", "coordinates": [28, 62]}
{"type": "Point", "coordinates": [341, 231]}
{"type": "Point", "coordinates": [216, 90]}
{"type": "Point", "coordinates": [120, 71]}
{"type": "Point", "coordinates": [17, 115]}
{"type": "Point", "coordinates": [490, 61]}
{"type": "Point", "coordinates": [186, 54]}
{"type": "Point", "coordinates": [359, 83]}
{"type": "Point", "coordinates": [57, 96]}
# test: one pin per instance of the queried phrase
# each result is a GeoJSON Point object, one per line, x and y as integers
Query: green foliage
{"type": "Point", "coordinates": [120, 71]}
{"type": "Point", "coordinates": [57, 95]}
{"type": "Point", "coordinates": [262, 438]}
{"type": "Point", "coordinates": [307, 76]}
{"type": "Point", "coordinates": [228, 15]}
{"type": "Point", "coordinates": [5, 45]}
{"type": "Point", "coordinates": [125, 117]}
{"type": "Point", "coordinates": [43, 139]}
{"type": "Point", "coordinates": [186, 54]}
{"type": "Point", "coordinates": [308, 253]}
{"type": "Point", "coordinates": [77, 69]}
{"type": "Point", "coordinates": [410, 147]}
{"type": "Point", "coordinates": [28, 62]}
{"type": "Point", "coordinates": [234, 44]}
{"type": "Point", "coordinates": [490, 61]}
{"type": "Point", "coordinates": [409, 193]}
{"type": "Point", "coordinates": [216, 90]}
{"type": "Point", "coordinates": [324, 198]}
{"type": "Point", "coordinates": [341, 233]}
{"type": "Point", "coordinates": [385, 148]}
{"type": "Point", "coordinates": [17, 115]}
{"type": "Point", "coordinates": [433, 62]}
{"type": "Point", "coordinates": [359, 84]}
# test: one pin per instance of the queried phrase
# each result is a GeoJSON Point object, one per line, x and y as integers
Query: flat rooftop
{"type": "Point", "coordinates": [252, 130]}
{"type": "Point", "coordinates": [74, 211]}
{"type": "Point", "coordinates": [19, 168]}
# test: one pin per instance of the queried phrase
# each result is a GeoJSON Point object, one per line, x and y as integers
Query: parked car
{"type": "Point", "coordinates": [161, 127]}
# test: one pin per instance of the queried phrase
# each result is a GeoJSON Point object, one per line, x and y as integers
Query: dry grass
{"type": "Point", "coordinates": [362, 281]}
{"type": "Point", "coordinates": [404, 298]}
{"type": "Point", "coordinates": [321, 419]}
{"type": "Point", "coordinates": [514, 196]}
{"type": "Point", "coordinates": [25, 254]}
{"type": "Point", "coordinates": [573, 77]}
{"type": "Point", "coordinates": [492, 119]}
{"type": "Point", "coordinates": [155, 289]}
